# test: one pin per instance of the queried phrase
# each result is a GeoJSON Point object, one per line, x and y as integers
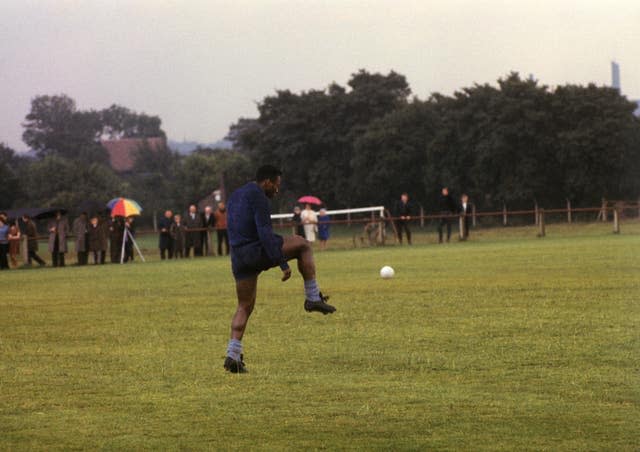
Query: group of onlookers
{"type": "Point", "coordinates": [179, 236]}
{"type": "Point", "coordinates": [307, 223]}
{"type": "Point", "coordinates": [404, 213]}
{"type": "Point", "coordinates": [94, 235]}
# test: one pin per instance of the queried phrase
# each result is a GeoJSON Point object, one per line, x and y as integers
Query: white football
{"type": "Point", "coordinates": [387, 272]}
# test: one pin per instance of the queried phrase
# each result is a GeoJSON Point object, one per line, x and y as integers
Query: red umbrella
{"type": "Point", "coordinates": [310, 200]}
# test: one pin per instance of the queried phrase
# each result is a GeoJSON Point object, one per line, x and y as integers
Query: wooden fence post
{"type": "Point", "coordinates": [461, 234]}
{"type": "Point", "coordinates": [541, 228]}
{"type": "Point", "coordinates": [421, 217]}
{"type": "Point", "coordinates": [473, 212]}
{"type": "Point", "coordinates": [504, 214]}
{"type": "Point", "coordinates": [568, 211]}
{"type": "Point", "coordinates": [535, 213]}
{"type": "Point", "coordinates": [349, 218]}
{"type": "Point", "coordinates": [616, 221]}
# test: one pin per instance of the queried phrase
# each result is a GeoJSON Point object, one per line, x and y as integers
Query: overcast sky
{"type": "Point", "coordinates": [200, 65]}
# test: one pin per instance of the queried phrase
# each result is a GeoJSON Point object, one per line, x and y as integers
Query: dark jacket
{"type": "Point", "coordinates": [446, 204]}
{"type": "Point", "coordinates": [178, 234]}
{"type": "Point", "coordinates": [249, 222]}
{"type": "Point", "coordinates": [403, 209]}
{"type": "Point", "coordinates": [31, 232]}
{"type": "Point", "coordinates": [165, 241]}
{"type": "Point", "coordinates": [193, 238]}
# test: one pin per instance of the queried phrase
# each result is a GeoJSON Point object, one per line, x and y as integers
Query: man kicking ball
{"type": "Point", "coordinates": [255, 248]}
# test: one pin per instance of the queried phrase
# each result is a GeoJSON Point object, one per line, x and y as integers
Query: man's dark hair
{"type": "Point", "coordinates": [267, 172]}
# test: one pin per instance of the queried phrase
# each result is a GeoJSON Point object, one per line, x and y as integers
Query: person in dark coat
{"type": "Point", "coordinates": [447, 207]}
{"type": "Point", "coordinates": [193, 222]}
{"type": "Point", "coordinates": [298, 229]}
{"type": "Point", "coordinates": [465, 211]}
{"type": "Point", "coordinates": [31, 231]}
{"type": "Point", "coordinates": [116, 232]}
{"type": "Point", "coordinates": [403, 212]}
{"type": "Point", "coordinates": [208, 222]}
{"type": "Point", "coordinates": [96, 240]}
{"type": "Point", "coordinates": [79, 229]}
{"type": "Point", "coordinates": [58, 230]}
{"type": "Point", "coordinates": [178, 233]}
{"type": "Point", "coordinates": [165, 242]}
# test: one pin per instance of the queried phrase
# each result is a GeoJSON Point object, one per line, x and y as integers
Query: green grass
{"type": "Point", "coordinates": [506, 342]}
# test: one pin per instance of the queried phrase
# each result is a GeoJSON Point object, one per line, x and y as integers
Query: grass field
{"type": "Point", "coordinates": [506, 342]}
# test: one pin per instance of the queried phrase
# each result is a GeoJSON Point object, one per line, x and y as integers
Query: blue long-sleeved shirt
{"type": "Point", "coordinates": [249, 221]}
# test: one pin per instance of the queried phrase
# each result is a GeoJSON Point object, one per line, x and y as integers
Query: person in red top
{"type": "Point", "coordinates": [221, 228]}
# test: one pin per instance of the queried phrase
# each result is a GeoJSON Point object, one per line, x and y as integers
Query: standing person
{"type": "Point", "coordinates": [221, 229]}
{"type": "Point", "coordinates": [323, 228]}
{"type": "Point", "coordinates": [4, 242]}
{"type": "Point", "coordinates": [116, 234]}
{"type": "Point", "coordinates": [94, 240]}
{"type": "Point", "coordinates": [255, 248]}
{"type": "Point", "coordinates": [103, 237]}
{"type": "Point", "coordinates": [58, 230]}
{"type": "Point", "coordinates": [193, 222]}
{"type": "Point", "coordinates": [447, 207]}
{"type": "Point", "coordinates": [14, 244]}
{"type": "Point", "coordinates": [465, 211]}
{"type": "Point", "coordinates": [310, 222]}
{"type": "Point", "coordinates": [208, 222]}
{"type": "Point", "coordinates": [177, 236]}
{"type": "Point", "coordinates": [79, 229]}
{"type": "Point", "coordinates": [403, 212]}
{"type": "Point", "coordinates": [165, 242]}
{"type": "Point", "coordinates": [298, 229]}
{"type": "Point", "coordinates": [31, 231]}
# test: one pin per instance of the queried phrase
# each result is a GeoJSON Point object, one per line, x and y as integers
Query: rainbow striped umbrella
{"type": "Point", "coordinates": [124, 207]}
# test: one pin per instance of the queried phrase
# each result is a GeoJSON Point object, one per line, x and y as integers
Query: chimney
{"type": "Point", "coordinates": [615, 75]}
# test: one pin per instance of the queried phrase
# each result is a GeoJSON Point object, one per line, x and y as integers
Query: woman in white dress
{"type": "Point", "coordinates": [310, 222]}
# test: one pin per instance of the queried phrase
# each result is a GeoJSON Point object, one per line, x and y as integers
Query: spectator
{"type": "Point", "coordinates": [4, 242]}
{"type": "Point", "coordinates": [323, 228]}
{"type": "Point", "coordinates": [465, 211]}
{"type": "Point", "coordinates": [447, 208]}
{"type": "Point", "coordinates": [403, 211]}
{"type": "Point", "coordinates": [192, 224]}
{"type": "Point", "coordinates": [31, 232]}
{"type": "Point", "coordinates": [297, 222]}
{"type": "Point", "coordinates": [166, 242]}
{"type": "Point", "coordinates": [178, 236]}
{"type": "Point", "coordinates": [310, 222]}
{"type": "Point", "coordinates": [58, 230]}
{"type": "Point", "coordinates": [96, 240]}
{"type": "Point", "coordinates": [80, 232]}
{"type": "Point", "coordinates": [208, 222]}
{"type": "Point", "coordinates": [221, 229]}
{"type": "Point", "coordinates": [14, 244]}
{"type": "Point", "coordinates": [116, 233]}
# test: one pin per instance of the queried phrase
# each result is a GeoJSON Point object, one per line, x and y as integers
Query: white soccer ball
{"type": "Point", "coordinates": [387, 272]}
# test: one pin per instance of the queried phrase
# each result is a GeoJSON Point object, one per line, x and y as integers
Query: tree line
{"type": "Point", "coordinates": [515, 143]}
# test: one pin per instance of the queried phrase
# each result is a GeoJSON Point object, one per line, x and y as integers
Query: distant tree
{"type": "Point", "coordinates": [61, 182]}
{"type": "Point", "coordinates": [120, 122]}
{"type": "Point", "coordinates": [598, 149]}
{"type": "Point", "coordinates": [199, 174]}
{"type": "Point", "coordinates": [55, 126]}
{"type": "Point", "coordinates": [10, 174]}
{"type": "Point", "coordinates": [311, 135]}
